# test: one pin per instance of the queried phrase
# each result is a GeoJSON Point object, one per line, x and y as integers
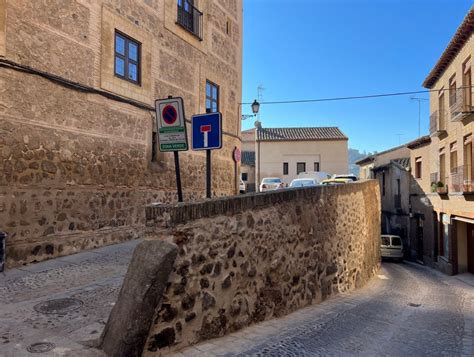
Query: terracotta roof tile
{"type": "Point", "coordinates": [461, 36]}
{"type": "Point", "coordinates": [300, 134]}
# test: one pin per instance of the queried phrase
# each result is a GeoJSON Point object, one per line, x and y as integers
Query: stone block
{"type": "Point", "coordinates": [141, 294]}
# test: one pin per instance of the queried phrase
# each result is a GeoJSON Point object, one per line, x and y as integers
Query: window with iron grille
{"type": "Point", "coordinates": [190, 18]}
{"type": "Point", "coordinates": [300, 167]}
{"type": "Point", "coordinates": [127, 58]}
{"type": "Point", "coordinates": [212, 97]}
{"type": "Point", "coordinates": [285, 168]}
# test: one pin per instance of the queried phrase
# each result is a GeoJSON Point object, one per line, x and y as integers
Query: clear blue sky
{"type": "Point", "coordinates": [299, 49]}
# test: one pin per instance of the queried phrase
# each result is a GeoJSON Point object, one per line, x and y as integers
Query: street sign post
{"type": "Point", "coordinates": [207, 135]}
{"type": "Point", "coordinates": [171, 126]}
{"type": "Point", "coordinates": [236, 155]}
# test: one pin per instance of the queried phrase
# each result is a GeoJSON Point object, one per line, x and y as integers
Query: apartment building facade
{"type": "Point", "coordinates": [78, 145]}
{"type": "Point", "coordinates": [449, 154]}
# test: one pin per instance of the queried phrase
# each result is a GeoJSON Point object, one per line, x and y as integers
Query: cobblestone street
{"type": "Point", "coordinates": [58, 304]}
{"type": "Point", "coordinates": [407, 310]}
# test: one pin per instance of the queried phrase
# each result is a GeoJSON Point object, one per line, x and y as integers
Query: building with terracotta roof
{"type": "Point", "coordinates": [285, 152]}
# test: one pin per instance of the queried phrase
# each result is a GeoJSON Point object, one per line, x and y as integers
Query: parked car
{"type": "Point", "coordinates": [318, 176]}
{"type": "Point", "coordinates": [303, 182]}
{"type": "Point", "coordinates": [339, 181]}
{"type": "Point", "coordinates": [242, 187]}
{"type": "Point", "coordinates": [349, 176]}
{"type": "Point", "coordinates": [270, 184]}
{"type": "Point", "coordinates": [391, 246]}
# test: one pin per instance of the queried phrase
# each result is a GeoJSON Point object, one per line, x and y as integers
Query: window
{"type": "Point", "coordinates": [154, 145]}
{"type": "Point", "coordinates": [452, 90]}
{"type": "Point", "coordinates": [227, 27]}
{"type": "Point", "coordinates": [212, 97]}
{"type": "Point", "coordinates": [453, 157]}
{"type": "Point", "coordinates": [468, 164]}
{"type": "Point", "coordinates": [127, 58]}
{"type": "Point", "coordinates": [316, 166]}
{"type": "Point", "coordinates": [383, 183]}
{"type": "Point", "coordinates": [190, 18]}
{"type": "Point", "coordinates": [285, 168]}
{"type": "Point", "coordinates": [300, 167]}
{"type": "Point", "coordinates": [441, 122]}
{"type": "Point", "coordinates": [467, 86]}
{"type": "Point", "coordinates": [245, 176]}
{"type": "Point", "coordinates": [442, 166]}
{"type": "Point", "coordinates": [418, 167]}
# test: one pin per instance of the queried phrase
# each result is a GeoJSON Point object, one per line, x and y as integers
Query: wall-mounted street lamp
{"type": "Point", "coordinates": [255, 109]}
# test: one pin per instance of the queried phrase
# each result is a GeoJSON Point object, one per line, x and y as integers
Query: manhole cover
{"type": "Point", "coordinates": [40, 347]}
{"type": "Point", "coordinates": [414, 305]}
{"type": "Point", "coordinates": [58, 306]}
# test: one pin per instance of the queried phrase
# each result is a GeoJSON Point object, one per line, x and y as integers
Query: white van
{"type": "Point", "coordinates": [391, 246]}
{"type": "Point", "coordinates": [318, 176]}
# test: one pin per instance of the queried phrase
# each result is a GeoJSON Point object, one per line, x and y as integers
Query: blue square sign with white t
{"type": "Point", "coordinates": [206, 131]}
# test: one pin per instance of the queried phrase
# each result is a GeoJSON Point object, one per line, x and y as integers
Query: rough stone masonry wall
{"type": "Point", "coordinates": [246, 259]}
{"type": "Point", "coordinates": [75, 167]}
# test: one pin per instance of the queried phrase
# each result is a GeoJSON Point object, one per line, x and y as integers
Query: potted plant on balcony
{"type": "Point", "coordinates": [440, 187]}
{"type": "Point", "coordinates": [433, 187]}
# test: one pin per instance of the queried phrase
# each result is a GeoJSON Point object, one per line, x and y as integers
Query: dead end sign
{"type": "Point", "coordinates": [171, 124]}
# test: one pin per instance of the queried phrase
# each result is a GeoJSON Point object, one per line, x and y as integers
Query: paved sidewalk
{"type": "Point", "coordinates": [60, 303]}
{"type": "Point", "coordinates": [407, 310]}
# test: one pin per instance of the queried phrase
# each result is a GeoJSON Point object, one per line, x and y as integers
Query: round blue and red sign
{"type": "Point", "coordinates": [169, 114]}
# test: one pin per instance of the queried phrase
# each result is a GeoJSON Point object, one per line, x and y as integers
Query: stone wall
{"type": "Point", "coordinates": [76, 167]}
{"type": "Point", "coordinates": [245, 259]}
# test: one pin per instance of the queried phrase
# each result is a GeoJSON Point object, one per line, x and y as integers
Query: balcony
{"type": "Point", "coordinates": [461, 107]}
{"type": "Point", "coordinates": [460, 180]}
{"type": "Point", "coordinates": [456, 179]}
{"type": "Point", "coordinates": [190, 18]}
{"type": "Point", "coordinates": [437, 184]}
{"type": "Point", "coordinates": [438, 123]}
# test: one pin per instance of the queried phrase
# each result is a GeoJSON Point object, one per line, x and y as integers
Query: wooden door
{"type": "Point", "coordinates": [470, 248]}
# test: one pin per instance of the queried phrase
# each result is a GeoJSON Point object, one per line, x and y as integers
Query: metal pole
{"type": "Point", "coordinates": [208, 174]}
{"type": "Point", "coordinates": [178, 176]}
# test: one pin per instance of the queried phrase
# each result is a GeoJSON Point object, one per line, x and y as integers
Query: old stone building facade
{"type": "Point", "coordinates": [78, 80]}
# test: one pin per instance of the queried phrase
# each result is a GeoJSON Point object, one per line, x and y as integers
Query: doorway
{"type": "Point", "coordinates": [470, 248]}
{"type": "Point", "coordinates": [419, 242]}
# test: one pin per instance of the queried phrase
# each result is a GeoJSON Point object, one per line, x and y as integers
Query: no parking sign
{"type": "Point", "coordinates": [171, 124]}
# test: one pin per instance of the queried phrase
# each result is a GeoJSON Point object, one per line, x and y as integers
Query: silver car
{"type": "Point", "coordinates": [303, 182]}
{"type": "Point", "coordinates": [391, 246]}
{"type": "Point", "coordinates": [271, 183]}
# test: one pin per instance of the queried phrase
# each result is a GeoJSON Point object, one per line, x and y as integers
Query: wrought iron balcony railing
{"type": "Point", "coordinates": [456, 179]}
{"type": "Point", "coordinates": [437, 123]}
{"type": "Point", "coordinates": [190, 18]}
{"type": "Point", "coordinates": [461, 104]}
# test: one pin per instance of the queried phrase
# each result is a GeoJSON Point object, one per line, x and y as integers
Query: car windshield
{"type": "Point", "coordinates": [396, 241]}
{"type": "Point", "coordinates": [385, 240]}
{"type": "Point", "coordinates": [271, 180]}
{"type": "Point", "coordinates": [302, 183]}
